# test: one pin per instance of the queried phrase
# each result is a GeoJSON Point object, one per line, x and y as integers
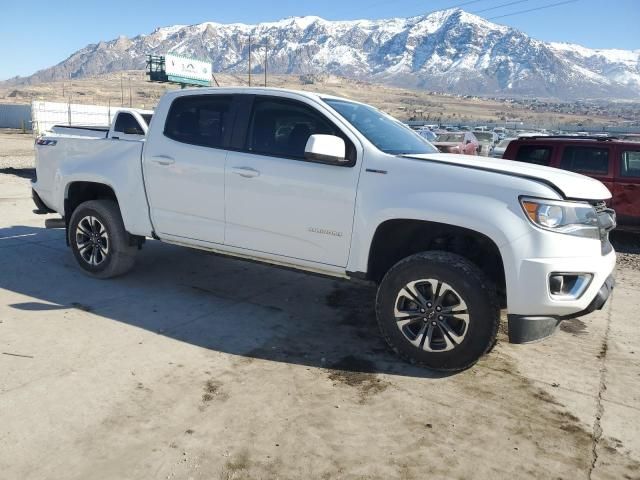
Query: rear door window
{"type": "Point", "coordinates": [127, 124]}
{"type": "Point", "coordinates": [536, 154]}
{"type": "Point", "coordinates": [630, 166]}
{"type": "Point", "coordinates": [199, 120]}
{"type": "Point", "coordinates": [590, 160]}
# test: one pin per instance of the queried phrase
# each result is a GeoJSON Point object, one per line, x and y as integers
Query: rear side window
{"type": "Point", "coordinates": [281, 127]}
{"type": "Point", "coordinates": [586, 160]}
{"type": "Point", "coordinates": [630, 164]}
{"type": "Point", "coordinates": [127, 124]}
{"type": "Point", "coordinates": [534, 154]}
{"type": "Point", "coordinates": [199, 120]}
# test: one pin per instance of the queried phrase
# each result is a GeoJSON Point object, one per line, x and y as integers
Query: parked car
{"type": "Point", "coordinates": [498, 150]}
{"type": "Point", "coordinates": [427, 133]}
{"type": "Point", "coordinates": [464, 143]}
{"type": "Point", "coordinates": [487, 140]}
{"type": "Point", "coordinates": [128, 123]}
{"type": "Point", "coordinates": [338, 188]}
{"type": "Point", "coordinates": [630, 137]}
{"type": "Point", "coordinates": [613, 162]}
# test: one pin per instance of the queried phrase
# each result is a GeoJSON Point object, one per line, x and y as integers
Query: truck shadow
{"type": "Point", "coordinates": [217, 303]}
{"type": "Point", "coordinates": [28, 173]}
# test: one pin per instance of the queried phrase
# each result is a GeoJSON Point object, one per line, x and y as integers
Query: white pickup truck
{"type": "Point", "coordinates": [127, 124]}
{"type": "Point", "coordinates": [336, 187]}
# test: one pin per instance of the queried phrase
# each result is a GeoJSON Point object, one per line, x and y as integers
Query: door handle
{"type": "Point", "coordinates": [245, 172]}
{"type": "Point", "coordinates": [163, 160]}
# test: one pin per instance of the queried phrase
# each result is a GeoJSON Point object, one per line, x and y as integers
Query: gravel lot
{"type": "Point", "coordinates": [16, 150]}
{"type": "Point", "coordinates": [197, 366]}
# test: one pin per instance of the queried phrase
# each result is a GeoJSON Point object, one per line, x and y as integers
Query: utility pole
{"type": "Point", "coordinates": [249, 60]}
{"type": "Point", "coordinates": [266, 56]}
{"type": "Point", "coordinates": [130, 105]}
{"type": "Point", "coordinates": [121, 90]}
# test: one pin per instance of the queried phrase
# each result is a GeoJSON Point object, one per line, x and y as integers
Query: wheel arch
{"type": "Point", "coordinates": [396, 239]}
{"type": "Point", "coordinates": [77, 192]}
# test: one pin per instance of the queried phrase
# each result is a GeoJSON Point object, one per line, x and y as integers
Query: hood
{"type": "Point", "coordinates": [572, 185]}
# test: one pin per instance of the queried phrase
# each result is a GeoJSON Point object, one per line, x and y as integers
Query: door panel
{"type": "Point", "coordinates": [184, 169]}
{"type": "Point", "coordinates": [292, 208]}
{"type": "Point", "coordinates": [626, 188]}
{"type": "Point", "coordinates": [279, 203]}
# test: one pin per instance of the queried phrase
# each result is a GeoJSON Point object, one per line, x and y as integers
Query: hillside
{"type": "Point", "coordinates": [400, 102]}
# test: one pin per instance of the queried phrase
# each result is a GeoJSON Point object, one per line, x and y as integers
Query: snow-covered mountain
{"type": "Point", "coordinates": [450, 51]}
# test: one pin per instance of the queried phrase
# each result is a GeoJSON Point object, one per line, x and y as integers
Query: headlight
{"type": "Point", "coordinates": [572, 218]}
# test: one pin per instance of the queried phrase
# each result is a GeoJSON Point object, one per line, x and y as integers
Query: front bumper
{"type": "Point", "coordinates": [529, 328]}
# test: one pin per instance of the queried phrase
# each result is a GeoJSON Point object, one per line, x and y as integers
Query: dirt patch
{"type": "Point", "coordinates": [603, 350]}
{"type": "Point", "coordinates": [358, 373]}
{"type": "Point", "coordinates": [574, 327]}
{"type": "Point", "coordinates": [543, 396]}
{"type": "Point", "coordinates": [237, 466]}
{"type": "Point", "coordinates": [545, 421]}
{"type": "Point", "coordinates": [213, 390]}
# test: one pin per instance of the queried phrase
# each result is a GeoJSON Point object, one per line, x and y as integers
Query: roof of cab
{"type": "Point", "coordinates": [254, 91]}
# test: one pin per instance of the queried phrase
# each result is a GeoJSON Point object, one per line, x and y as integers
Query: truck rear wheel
{"type": "Point", "coordinates": [438, 310]}
{"type": "Point", "coordinates": [99, 241]}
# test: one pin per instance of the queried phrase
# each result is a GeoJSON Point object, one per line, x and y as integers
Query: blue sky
{"type": "Point", "coordinates": [36, 34]}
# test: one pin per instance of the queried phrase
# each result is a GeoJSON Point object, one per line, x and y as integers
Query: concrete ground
{"type": "Point", "coordinates": [197, 366]}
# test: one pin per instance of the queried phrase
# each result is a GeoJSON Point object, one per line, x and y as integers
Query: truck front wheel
{"type": "Point", "coordinates": [438, 310]}
{"type": "Point", "coordinates": [99, 240]}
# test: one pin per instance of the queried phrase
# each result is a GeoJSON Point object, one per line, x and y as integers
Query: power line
{"type": "Point", "coordinates": [500, 6]}
{"type": "Point", "coordinates": [533, 9]}
{"type": "Point", "coordinates": [385, 2]}
{"type": "Point", "coordinates": [461, 4]}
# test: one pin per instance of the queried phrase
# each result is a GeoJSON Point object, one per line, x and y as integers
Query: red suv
{"type": "Point", "coordinates": [615, 163]}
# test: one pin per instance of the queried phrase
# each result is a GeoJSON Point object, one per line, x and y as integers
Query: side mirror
{"type": "Point", "coordinates": [325, 148]}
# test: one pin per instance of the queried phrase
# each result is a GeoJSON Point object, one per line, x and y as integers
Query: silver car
{"type": "Point", "coordinates": [498, 150]}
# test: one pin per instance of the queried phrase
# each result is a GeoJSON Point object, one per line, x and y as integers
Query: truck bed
{"type": "Point", "coordinates": [83, 131]}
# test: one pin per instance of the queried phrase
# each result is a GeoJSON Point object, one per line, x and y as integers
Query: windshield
{"type": "Point", "coordinates": [484, 136]}
{"type": "Point", "coordinates": [385, 132]}
{"type": "Point", "coordinates": [450, 137]}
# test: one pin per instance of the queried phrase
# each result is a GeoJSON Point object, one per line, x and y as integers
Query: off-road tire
{"type": "Point", "coordinates": [477, 290]}
{"type": "Point", "coordinates": [121, 255]}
